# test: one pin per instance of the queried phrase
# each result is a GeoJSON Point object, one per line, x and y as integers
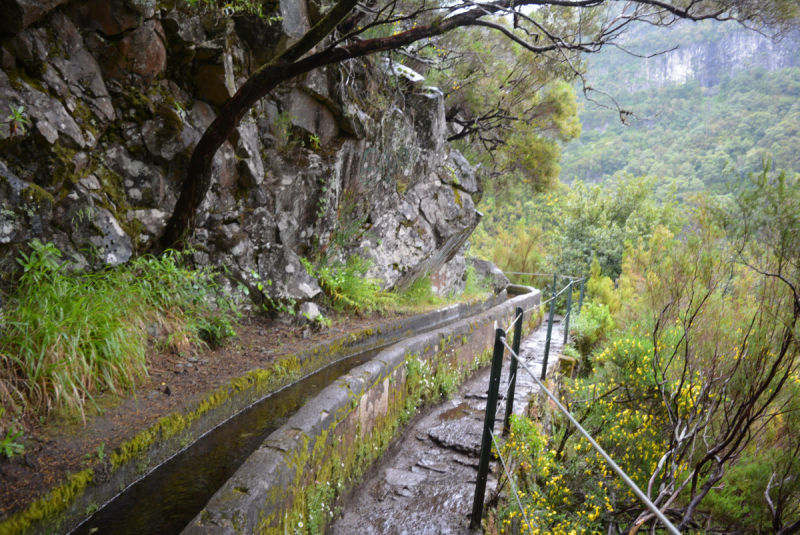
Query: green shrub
{"type": "Point", "coordinates": [66, 336]}
{"type": "Point", "coordinates": [591, 326]}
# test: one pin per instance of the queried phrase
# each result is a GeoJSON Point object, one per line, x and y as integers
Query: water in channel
{"type": "Point", "coordinates": [166, 500]}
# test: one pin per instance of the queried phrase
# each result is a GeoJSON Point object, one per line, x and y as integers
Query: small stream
{"type": "Point", "coordinates": [167, 499]}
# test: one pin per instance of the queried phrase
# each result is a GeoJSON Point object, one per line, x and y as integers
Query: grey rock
{"type": "Point", "coordinates": [143, 182]}
{"type": "Point", "coordinates": [95, 229]}
{"type": "Point", "coordinates": [459, 173]}
{"type": "Point", "coordinates": [289, 279]}
{"type": "Point", "coordinates": [427, 107]}
{"type": "Point", "coordinates": [188, 28]}
{"type": "Point", "coordinates": [154, 221]}
{"type": "Point", "coordinates": [459, 435]}
{"type": "Point", "coordinates": [90, 182]}
{"type": "Point", "coordinates": [162, 137]}
{"type": "Point", "coordinates": [451, 278]}
{"type": "Point", "coordinates": [401, 478]}
{"type": "Point", "coordinates": [25, 209]}
{"type": "Point", "coordinates": [248, 149]}
{"type": "Point", "coordinates": [488, 271]}
{"type": "Point", "coordinates": [295, 21]}
{"type": "Point", "coordinates": [41, 107]}
{"type": "Point", "coordinates": [310, 311]}
{"type": "Point", "coordinates": [312, 116]}
{"type": "Point", "coordinates": [224, 167]}
{"type": "Point", "coordinates": [19, 14]}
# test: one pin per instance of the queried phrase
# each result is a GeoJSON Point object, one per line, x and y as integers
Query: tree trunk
{"type": "Point", "coordinates": [264, 80]}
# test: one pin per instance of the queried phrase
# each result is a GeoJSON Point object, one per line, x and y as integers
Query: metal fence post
{"type": "Point", "coordinates": [580, 299]}
{"type": "Point", "coordinates": [488, 426]}
{"type": "Point", "coordinates": [569, 312]}
{"type": "Point", "coordinates": [549, 329]}
{"type": "Point", "coordinates": [512, 372]}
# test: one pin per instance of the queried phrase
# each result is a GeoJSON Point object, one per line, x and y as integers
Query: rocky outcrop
{"type": "Point", "coordinates": [490, 273]}
{"type": "Point", "coordinates": [118, 94]}
{"type": "Point", "coordinates": [703, 52]}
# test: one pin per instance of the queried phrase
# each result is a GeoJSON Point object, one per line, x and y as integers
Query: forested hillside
{"type": "Point", "coordinates": [719, 104]}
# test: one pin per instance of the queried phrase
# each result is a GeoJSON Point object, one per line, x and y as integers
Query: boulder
{"type": "Point", "coordinates": [215, 82]}
{"type": "Point", "coordinates": [459, 173]}
{"type": "Point", "coordinates": [19, 14]}
{"type": "Point", "coordinates": [283, 276]}
{"type": "Point", "coordinates": [188, 28]}
{"type": "Point", "coordinates": [248, 149]}
{"type": "Point", "coordinates": [295, 21]}
{"type": "Point", "coordinates": [144, 50]}
{"type": "Point", "coordinates": [427, 110]}
{"type": "Point", "coordinates": [57, 123]}
{"type": "Point", "coordinates": [224, 166]}
{"type": "Point", "coordinates": [25, 208]}
{"type": "Point", "coordinates": [309, 311]}
{"type": "Point", "coordinates": [143, 182]}
{"type": "Point", "coordinates": [312, 116]}
{"type": "Point", "coordinates": [451, 278]}
{"type": "Point", "coordinates": [163, 135]}
{"type": "Point", "coordinates": [109, 17]}
{"type": "Point", "coordinates": [489, 272]}
{"type": "Point", "coordinates": [153, 221]}
{"type": "Point", "coordinates": [94, 229]}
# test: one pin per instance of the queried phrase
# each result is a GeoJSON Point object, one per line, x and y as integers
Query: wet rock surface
{"type": "Point", "coordinates": [426, 483]}
{"type": "Point", "coordinates": [119, 93]}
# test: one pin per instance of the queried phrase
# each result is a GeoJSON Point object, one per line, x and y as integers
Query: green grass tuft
{"type": "Point", "coordinates": [347, 286]}
{"type": "Point", "coordinates": [67, 336]}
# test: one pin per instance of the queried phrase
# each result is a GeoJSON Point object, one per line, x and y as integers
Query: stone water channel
{"type": "Point", "coordinates": [167, 499]}
{"type": "Point", "coordinates": [425, 484]}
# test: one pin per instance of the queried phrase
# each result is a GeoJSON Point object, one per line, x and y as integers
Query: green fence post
{"type": "Point", "coordinates": [569, 312]}
{"type": "Point", "coordinates": [549, 329]}
{"type": "Point", "coordinates": [580, 299]}
{"type": "Point", "coordinates": [512, 372]}
{"type": "Point", "coordinates": [488, 426]}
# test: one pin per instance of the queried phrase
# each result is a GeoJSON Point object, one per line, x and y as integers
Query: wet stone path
{"type": "Point", "coordinates": [425, 484]}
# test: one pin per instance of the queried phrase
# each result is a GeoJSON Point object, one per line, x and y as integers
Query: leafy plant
{"type": "Point", "coordinates": [9, 445]}
{"type": "Point", "coordinates": [315, 142]}
{"type": "Point", "coordinates": [282, 128]}
{"type": "Point", "coordinates": [347, 286]}
{"type": "Point", "coordinates": [591, 326]}
{"type": "Point", "coordinates": [16, 121]}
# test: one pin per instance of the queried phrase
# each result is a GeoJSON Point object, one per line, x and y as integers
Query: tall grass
{"type": "Point", "coordinates": [66, 336]}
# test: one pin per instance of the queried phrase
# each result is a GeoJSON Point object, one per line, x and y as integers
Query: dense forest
{"type": "Point", "coordinates": [691, 135]}
{"type": "Point", "coordinates": [684, 223]}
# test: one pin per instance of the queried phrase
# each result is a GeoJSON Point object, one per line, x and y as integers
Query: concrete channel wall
{"type": "Point", "coordinates": [296, 478]}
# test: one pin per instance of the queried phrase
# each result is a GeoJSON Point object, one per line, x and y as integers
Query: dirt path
{"type": "Point", "coordinates": [426, 483]}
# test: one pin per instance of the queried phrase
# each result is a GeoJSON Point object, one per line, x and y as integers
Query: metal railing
{"type": "Point", "coordinates": [488, 437]}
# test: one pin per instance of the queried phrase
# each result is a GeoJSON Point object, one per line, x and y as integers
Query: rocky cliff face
{"type": "Point", "coordinates": [704, 52]}
{"type": "Point", "coordinates": [119, 92]}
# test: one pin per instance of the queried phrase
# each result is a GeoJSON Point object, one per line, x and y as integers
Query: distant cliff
{"type": "Point", "coordinates": [719, 103]}
{"type": "Point", "coordinates": [703, 52]}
